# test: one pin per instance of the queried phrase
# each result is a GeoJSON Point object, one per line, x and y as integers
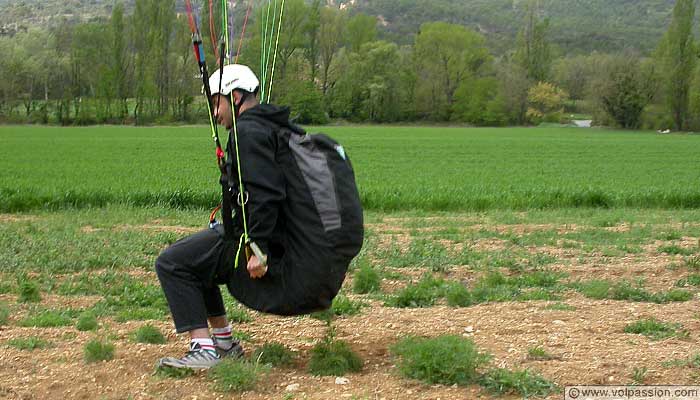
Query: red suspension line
{"type": "Point", "coordinates": [240, 41]}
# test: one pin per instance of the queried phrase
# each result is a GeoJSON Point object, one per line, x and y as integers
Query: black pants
{"type": "Point", "coordinates": [191, 270]}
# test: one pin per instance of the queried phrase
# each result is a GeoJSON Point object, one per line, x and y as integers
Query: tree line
{"type": "Point", "coordinates": [333, 65]}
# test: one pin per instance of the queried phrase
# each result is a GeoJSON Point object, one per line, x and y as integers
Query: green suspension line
{"type": "Point", "coordinates": [269, 47]}
{"type": "Point", "coordinates": [224, 29]}
{"type": "Point", "coordinates": [274, 60]}
{"type": "Point", "coordinates": [263, 59]}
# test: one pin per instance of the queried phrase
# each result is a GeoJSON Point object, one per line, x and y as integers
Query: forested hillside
{"type": "Point", "coordinates": [577, 26]}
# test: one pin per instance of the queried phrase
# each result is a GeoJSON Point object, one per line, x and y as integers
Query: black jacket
{"type": "Point", "coordinates": [263, 178]}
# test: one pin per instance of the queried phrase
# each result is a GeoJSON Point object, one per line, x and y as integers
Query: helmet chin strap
{"type": "Point", "coordinates": [237, 106]}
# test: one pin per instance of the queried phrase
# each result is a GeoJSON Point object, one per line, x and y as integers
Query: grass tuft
{"type": "Point", "coordinates": [28, 292]}
{"type": "Point", "coordinates": [47, 319]}
{"type": "Point", "coordinates": [521, 382]}
{"type": "Point", "coordinates": [673, 249]}
{"type": "Point", "coordinates": [560, 307]}
{"type": "Point", "coordinates": [333, 357]}
{"type": "Point", "coordinates": [4, 313]}
{"type": "Point", "coordinates": [342, 305]}
{"type": "Point", "coordinates": [28, 343]}
{"type": "Point", "coordinates": [149, 334]}
{"type": "Point", "coordinates": [457, 295]}
{"type": "Point", "coordinates": [239, 315]}
{"type": "Point", "coordinates": [445, 360]}
{"type": "Point", "coordinates": [236, 375]}
{"type": "Point", "coordinates": [87, 322]}
{"type": "Point", "coordinates": [96, 350]}
{"type": "Point", "coordinates": [538, 354]}
{"type": "Point", "coordinates": [366, 279]}
{"type": "Point", "coordinates": [639, 375]}
{"type": "Point", "coordinates": [692, 263]}
{"type": "Point", "coordinates": [274, 354]}
{"type": "Point", "coordinates": [421, 294]}
{"type": "Point", "coordinates": [656, 330]}
{"type": "Point", "coordinates": [601, 289]}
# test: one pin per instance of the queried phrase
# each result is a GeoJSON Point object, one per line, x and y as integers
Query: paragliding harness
{"type": "Point", "coordinates": [228, 174]}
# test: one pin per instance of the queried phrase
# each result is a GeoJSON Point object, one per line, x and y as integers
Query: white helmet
{"type": "Point", "coordinates": [235, 76]}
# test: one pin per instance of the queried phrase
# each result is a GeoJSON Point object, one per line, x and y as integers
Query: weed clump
{"type": "Point", "coordinates": [28, 343]}
{"type": "Point", "coordinates": [274, 354]}
{"type": "Point", "coordinates": [87, 322]}
{"type": "Point", "coordinates": [342, 305]}
{"type": "Point", "coordinates": [366, 279]}
{"type": "Point", "coordinates": [422, 294]}
{"type": "Point", "coordinates": [149, 334]}
{"type": "Point", "coordinates": [656, 330]}
{"type": "Point", "coordinates": [239, 315]}
{"type": "Point", "coordinates": [601, 289]}
{"type": "Point", "coordinates": [96, 350]}
{"type": "Point", "coordinates": [674, 250]}
{"type": "Point", "coordinates": [445, 360]}
{"type": "Point", "coordinates": [4, 313]}
{"type": "Point", "coordinates": [28, 292]}
{"type": "Point", "coordinates": [560, 307]}
{"type": "Point", "coordinates": [692, 263]}
{"type": "Point", "coordinates": [521, 382]}
{"type": "Point", "coordinates": [47, 319]}
{"type": "Point", "coordinates": [333, 357]}
{"type": "Point", "coordinates": [458, 295]}
{"type": "Point", "coordinates": [235, 375]}
{"type": "Point", "coordinates": [538, 354]}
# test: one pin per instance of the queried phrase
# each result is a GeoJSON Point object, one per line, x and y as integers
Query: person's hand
{"type": "Point", "coordinates": [255, 268]}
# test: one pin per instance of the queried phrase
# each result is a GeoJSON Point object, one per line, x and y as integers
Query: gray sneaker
{"type": "Point", "coordinates": [236, 351]}
{"type": "Point", "coordinates": [196, 358]}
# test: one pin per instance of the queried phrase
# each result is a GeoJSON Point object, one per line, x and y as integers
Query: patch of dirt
{"type": "Point", "coordinates": [588, 343]}
{"type": "Point", "coordinates": [182, 230]}
{"type": "Point", "coordinates": [16, 218]}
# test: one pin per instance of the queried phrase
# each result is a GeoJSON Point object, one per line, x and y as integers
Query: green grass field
{"type": "Point", "coordinates": [398, 168]}
{"type": "Point", "coordinates": [488, 254]}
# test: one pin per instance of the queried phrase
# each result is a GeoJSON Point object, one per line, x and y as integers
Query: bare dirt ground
{"type": "Point", "coordinates": [588, 344]}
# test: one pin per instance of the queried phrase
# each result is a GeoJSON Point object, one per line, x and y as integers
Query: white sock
{"type": "Point", "coordinates": [206, 344]}
{"type": "Point", "coordinates": [223, 337]}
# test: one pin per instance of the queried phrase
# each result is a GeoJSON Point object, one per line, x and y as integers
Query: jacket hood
{"type": "Point", "coordinates": [270, 114]}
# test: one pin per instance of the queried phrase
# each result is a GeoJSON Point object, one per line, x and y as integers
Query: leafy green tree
{"type": "Point", "coordinates": [533, 51]}
{"type": "Point", "coordinates": [694, 103]}
{"type": "Point", "coordinates": [369, 86]}
{"type": "Point", "coordinates": [514, 87]}
{"type": "Point", "coordinates": [292, 39]}
{"type": "Point", "coordinates": [480, 102]}
{"type": "Point", "coordinates": [361, 29]}
{"type": "Point", "coordinates": [678, 54]}
{"type": "Point", "coordinates": [331, 29]}
{"type": "Point", "coordinates": [623, 89]}
{"type": "Point", "coordinates": [183, 85]}
{"type": "Point", "coordinates": [88, 48]}
{"type": "Point", "coordinates": [13, 65]}
{"type": "Point", "coordinates": [446, 55]}
{"type": "Point", "coordinates": [574, 75]}
{"type": "Point", "coordinates": [30, 45]}
{"type": "Point", "coordinates": [546, 102]}
{"type": "Point", "coordinates": [118, 68]}
{"type": "Point", "coordinates": [312, 33]}
{"type": "Point", "coordinates": [304, 101]}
